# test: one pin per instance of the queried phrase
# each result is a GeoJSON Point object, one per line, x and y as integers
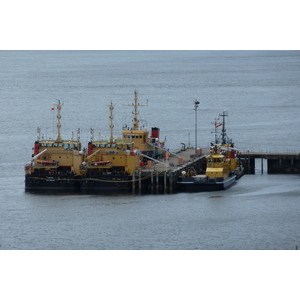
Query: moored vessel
{"type": "Point", "coordinates": [117, 164]}
{"type": "Point", "coordinates": [223, 166]}
{"type": "Point", "coordinates": [110, 164]}
{"type": "Point", "coordinates": [146, 142]}
{"type": "Point", "coordinates": [55, 164]}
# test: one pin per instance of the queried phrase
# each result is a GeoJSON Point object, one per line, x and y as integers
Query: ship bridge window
{"type": "Point", "coordinates": [66, 146]}
{"type": "Point", "coordinates": [113, 145]}
{"type": "Point", "coordinates": [55, 145]}
{"type": "Point", "coordinates": [71, 147]}
{"type": "Point", "coordinates": [218, 160]}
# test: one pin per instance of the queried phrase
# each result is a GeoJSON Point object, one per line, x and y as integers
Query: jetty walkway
{"type": "Point", "coordinates": [277, 162]}
{"type": "Point", "coordinates": [161, 175]}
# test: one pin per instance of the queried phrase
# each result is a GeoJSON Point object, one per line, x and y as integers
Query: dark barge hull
{"type": "Point", "coordinates": [189, 185]}
{"type": "Point", "coordinates": [85, 185]}
{"type": "Point", "coordinates": [52, 184]}
{"type": "Point", "coordinates": [106, 184]}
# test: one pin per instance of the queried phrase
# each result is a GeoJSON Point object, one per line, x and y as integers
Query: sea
{"type": "Point", "coordinates": [259, 90]}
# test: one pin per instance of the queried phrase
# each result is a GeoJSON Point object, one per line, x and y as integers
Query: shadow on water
{"type": "Point", "coordinates": [215, 196]}
{"type": "Point", "coordinates": [72, 194]}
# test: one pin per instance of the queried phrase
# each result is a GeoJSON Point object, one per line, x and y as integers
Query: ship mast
{"type": "Point", "coordinates": [39, 132]}
{"type": "Point", "coordinates": [135, 112]}
{"type": "Point", "coordinates": [217, 124]}
{"type": "Point", "coordinates": [196, 106]}
{"type": "Point", "coordinates": [58, 106]}
{"type": "Point", "coordinates": [225, 114]}
{"type": "Point", "coordinates": [111, 117]}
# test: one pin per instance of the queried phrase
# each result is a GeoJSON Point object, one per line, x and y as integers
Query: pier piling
{"type": "Point", "coordinates": [158, 178]}
{"type": "Point", "coordinates": [277, 163]}
{"type": "Point", "coordinates": [162, 178]}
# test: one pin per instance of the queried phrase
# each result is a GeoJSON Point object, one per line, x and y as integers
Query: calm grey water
{"type": "Point", "coordinates": [260, 90]}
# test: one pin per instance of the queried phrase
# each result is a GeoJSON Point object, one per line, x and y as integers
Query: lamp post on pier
{"type": "Point", "coordinates": [196, 106]}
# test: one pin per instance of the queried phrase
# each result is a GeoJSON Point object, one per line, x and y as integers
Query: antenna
{"type": "Point", "coordinates": [196, 107]}
{"type": "Point", "coordinates": [92, 133]}
{"type": "Point", "coordinates": [135, 112]}
{"type": "Point", "coordinates": [225, 114]}
{"type": "Point", "coordinates": [58, 105]}
{"type": "Point", "coordinates": [39, 133]}
{"type": "Point", "coordinates": [217, 124]}
{"type": "Point", "coordinates": [111, 117]}
{"type": "Point", "coordinates": [78, 134]}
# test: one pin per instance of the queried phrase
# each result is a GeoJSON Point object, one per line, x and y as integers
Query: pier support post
{"type": "Point", "coordinates": [248, 160]}
{"type": "Point", "coordinates": [133, 182]}
{"type": "Point", "coordinates": [170, 182]}
{"type": "Point", "coordinates": [140, 181]}
{"type": "Point", "coordinates": [165, 182]}
{"type": "Point", "coordinates": [152, 179]}
{"type": "Point", "coordinates": [272, 163]}
{"type": "Point", "coordinates": [280, 162]}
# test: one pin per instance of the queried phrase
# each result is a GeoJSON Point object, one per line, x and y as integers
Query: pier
{"type": "Point", "coordinates": [276, 163]}
{"type": "Point", "coordinates": [161, 176]}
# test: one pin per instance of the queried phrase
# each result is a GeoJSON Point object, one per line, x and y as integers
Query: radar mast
{"type": "Point", "coordinates": [58, 106]}
{"type": "Point", "coordinates": [135, 112]}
